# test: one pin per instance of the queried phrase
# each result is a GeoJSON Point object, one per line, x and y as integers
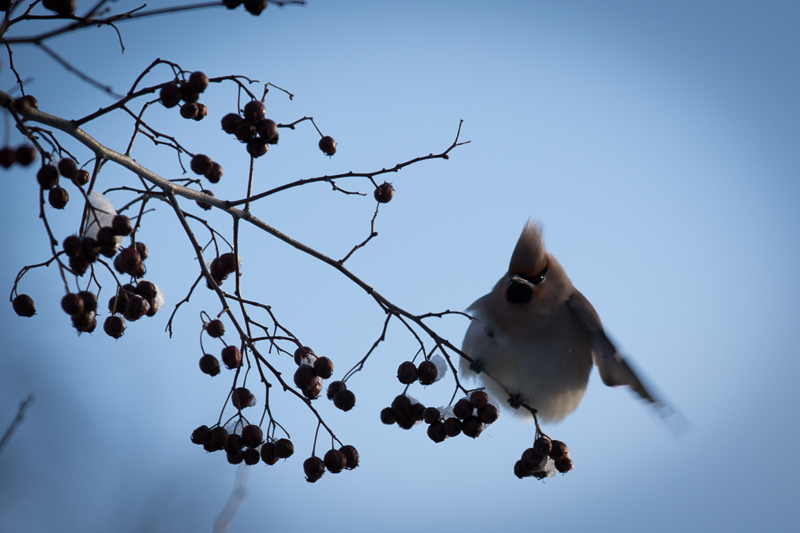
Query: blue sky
{"type": "Point", "coordinates": [658, 146]}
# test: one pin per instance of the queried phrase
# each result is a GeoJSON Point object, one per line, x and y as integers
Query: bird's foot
{"type": "Point", "coordinates": [476, 366]}
{"type": "Point", "coordinates": [515, 401]}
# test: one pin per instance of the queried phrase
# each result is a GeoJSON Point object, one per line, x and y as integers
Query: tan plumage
{"type": "Point", "coordinates": [537, 336]}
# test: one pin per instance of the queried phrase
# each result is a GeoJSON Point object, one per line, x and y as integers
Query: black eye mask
{"type": "Point", "coordinates": [521, 292]}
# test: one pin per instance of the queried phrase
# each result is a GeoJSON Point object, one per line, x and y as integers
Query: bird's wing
{"type": "Point", "coordinates": [613, 368]}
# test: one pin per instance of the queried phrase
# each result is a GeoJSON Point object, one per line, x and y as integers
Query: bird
{"type": "Point", "coordinates": [534, 338]}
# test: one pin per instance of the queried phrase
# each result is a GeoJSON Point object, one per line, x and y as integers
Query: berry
{"type": "Point", "coordinates": [78, 265]}
{"type": "Point", "coordinates": [136, 308]}
{"type": "Point", "coordinates": [198, 81]}
{"type": "Point", "coordinates": [431, 415]}
{"type": "Point", "coordinates": [72, 304]}
{"type": "Point", "coordinates": [407, 373]}
{"type": "Point", "coordinates": [85, 323]}
{"type": "Point", "coordinates": [106, 238]}
{"type": "Point", "coordinates": [208, 364]}
{"type": "Point", "coordinates": [304, 355]}
{"type": "Point", "coordinates": [227, 262]}
{"type": "Point", "coordinates": [200, 435]}
{"type": "Point", "coordinates": [335, 387]}
{"type": "Point", "coordinates": [129, 261]}
{"type": "Point", "coordinates": [189, 110]}
{"type": "Point", "coordinates": [89, 301]}
{"type": "Point", "coordinates": [268, 453]}
{"type": "Point", "coordinates": [170, 94]}
{"type": "Point", "coordinates": [215, 328]}
{"type": "Point", "coordinates": [217, 438]}
{"type": "Point", "coordinates": [521, 471]}
{"type": "Point", "coordinates": [142, 249]}
{"type": "Point", "coordinates": [231, 122]}
{"type": "Point", "coordinates": [89, 249]}
{"type": "Point", "coordinates": [344, 400]}
{"type": "Point", "coordinates": [417, 412]}
{"type": "Point", "coordinates": [314, 467]}
{"type": "Point", "coordinates": [542, 446]}
{"type": "Point", "coordinates": [114, 326]}
{"type": "Point", "coordinates": [235, 458]}
{"type": "Point", "coordinates": [303, 376]}
{"type": "Point", "coordinates": [254, 111]}
{"type": "Point", "coordinates": [24, 104]}
{"type": "Point", "coordinates": [62, 7]}
{"type": "Point", "coordinates": [255, 7]}
{"type": "Point", "coordinates": [268, 130]}
{"type": "Point", "coordinates": [313, 389]}
{"type": "Point", "coordinates": [23, 305]}
{"type": "Point", "coordinates": [232, 4]}
{"type": "Point", "coordinates": [452, 427]}
{"type": "Point", "coordinates": [82, 178]}
{"type": "Point", "coordinates": [384, 193]}
{"type": "Point", "coordinates": [327, 145]}
{"type": "Point", "coordinates": [214, 174]}
{"type": "Point", "coordinates": [531, 459]}
{"type": "Point", "coordinates": [335, 461]}
{"type": "Point", "coordinates": [250, 456]}
{"type": "Point", "coordinates": [488, 414]}
{"type": "Point", "coordinates": [146, 289]}
{"type": "Point", "coordinates": [323, 367]}
{"type": "Point", "coordinates": [68, 168]}
{"type": "Point", "coordinates": [72, 246]}
{"type": "Point", "coordinates": [58, 197]}
{"type": "Point", "coordinates": [401, 405]}
{"type": "Point", "coordinates": [121, 225]}
{"type": "Point", "coordinates": [242, 398]}
{"type": "Point", "coordinates": [257, 147]}
{"type": "Point", "coordinates": [471, 426]}
{"type": "Point", "coordinates": [436, 432]}
{"type": "Point", "coordinates": [202, 205]}
{"type": "Point", "coordinates": [232, 357]}
{"type": "Point", "coordinates": [427, 372]}
{"type": "Point", "coordinates": [26, 154]}
{"type": "Point", "coordinates": [235, 444]}
{"type": "Point", "coordinates": [351, 454]}
{"type": "Point", "coordinates": [245, 131]}
{"type": "Point", "coordinates": [47, 176]}
{"type": "Point", "coordinates": [463, 408]}
{"type": "Point", "coordinates": [478, 399]}
{"type": "Point", "coordinates": [558, 450]}
{"type": "Point", "coordinates": [202, 112]}
{"type": "Point", "coordinates": [564, 465]}
{"type": "Point", "coordinates": [252, 436]}
{"type": "Point", "coordinates": [388, 417]}
{"type": "Point", "coordinates": [188, 94]}
{"type": "Point", "coordinates": [7, 157]}
{"type": "Point", "coordinates": [284, 448]}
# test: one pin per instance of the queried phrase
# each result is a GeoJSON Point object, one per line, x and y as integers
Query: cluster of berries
{"type": "Point", "coordinates": [252, 128]}
{"type": "Point", "coordinates": [246, 446]}
{"type": "Point", "coordinates": [426, 373]}
{"type": "Point", "coordinates": [231, 357]}
{"type": "Point", "coordinates": [334, 462]}
{"type": "Point", "coordinates": [311, 373]}
{"type": "Point", "coordinates": [469, 416]}
{"type": "Point", "coordinates": [254, 7]}
{"type": "Point", "coordinates": [543, 459]}
{"type": "Point", "coordinates": [202, 165]}
{"type": "Point", "coordinates": [48, 178]}
{"type": "Point", "coordinates": [23, 155]}
{"type": "Point", "coordinates": [188, 91]}
{"type": "Point", "coordinates": [132, 302]}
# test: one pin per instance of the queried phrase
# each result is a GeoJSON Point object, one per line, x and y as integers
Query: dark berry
{"type": "Point", "coordinates": [114, 326]}
{"type": "Point", "coordinates": [478, 399]}
{"type": "Point", "coordinates": [215, 328]}
{"type": "Point", "coordinates": [81, 178]}
{"type": "Point", "coordinates": [543, 446]}
{"type": "Point", "coordinates": [314, 467]}
{"type": "Point", "coordinates": [203, 205]}
{"type": "Point", "coordinates": [7, 157]}
{"type": "Point", "coordinates": [209, 365]}
{"type": "Point", "coordinates": [564, 465]}
{"type": "Point", "coordinates": [255, 7]}
{"type": "Point", "coordinates": [250, 456]}
{"type": "Point", "coordinates": [335, 387]}
{"type": "Point", "coordinates": [401, 405]}
{"type": "Point", "coordinates": [144, 253]}
{"type": "Point", "coordinates": [188, 94]}
{"type": "Point", "coordinates": [488, 414]}
{"type": "Point", "coordinates": [268, 130]}
{"type": "Point", "coordinates": [89, 249]}
{"type": "Point", "coordinates": [146, 289]}
{"type": "Point", "coordinates": [388, 417]}
{"type": "Point", "coordinates": [323, 367]}
{"type": "Point", "coordinates": [417, 412]}
{"type": "Point", "coordinates": [85, 323]}
{"type": "Point", "coordinates": [202, 112]}
{"type": "Point", "coordinates": [284, 448]}
{"type": "Point", "coordinates": [384, 193]}
{"type": "Point", "coordinates": [463, 408]}
{"type": "Point", "coordinates": [471, 426]}
{"type": "Point", "coordinates": [72, 246]}
{"type": "Point", "coordinates": [521, 471]}
{"type": "Point", "coordinates": [26, 154]}
{"type": "Point", "coordinates": [257, 147]}
{"type": "Point", "coordinates": [24, 104]}
{"type": "Point", "coordinates": [436, 432]}
{"type": "Point", "coordinates": [47, 176]}
{"type": "Point", "coordinates": [335, 461]}
{"type": "Point", "coordinates": [72, 304]}
{"type": "Point", "coordinates": [303, 376]}
{"type": "Point", "coordinates": [254, 111]}
{"type": "Point", "coordinates": [252, 436]}
{"type": "Point", "coordinates": [558, 450]}
{"type": "Point", "coordinates": [268, 453]}
{"type": "Point", "coordinates": [235, 458]}
{"type": "Point", "coordinates": [217, 438]}
{"type": "Point", "coordinates": [58, 197]}
{"type": "Point", "coordinates": [245, 131]}
{"type": "Point", "coordinates": [304, 355]}
{"type": "Point", "coordinates": [23, 305]}
{"type": "Point", "coordinates": [344, 400]}
{"type": "Point", "coordinates": [230, 123]}
{"type": "Point", "coordinates": [431, 415]}
{"type": "Point", "coordinates": [227, 262]}
{"type": "Point", "coordinates": [106, 238]}
{"type": "Point", "coordinates": [407, 373]}
{"type": "Point", "coordinates": [427, 372]}
{"type": "Point", "coordinates": [235, 443]}
{"type": "Point", "coordinates": [189, 110]}
{"type": "Point", "coordinates": [170, 94]}
{"type": "Point", "coordinates": [214, 174]}
{"type": "Point", "coordinates": [136, 308]}
{"type": "Point", "coordinates": [327, 145]}
{"type": "Point", "coordinates": [200, 435]}
{"type": "Point", "coordinates": [351, 454]}
{"type": "Point", "coordinates": [531, 459]}
{"type": "Point", "coordinates": [232, 357]}
{"type": "Point", "coordinates": [68, 168]}
{"type": "Point", "coordinates": [452, 426]}
{"type": "Point", "coordinates": [198, 81]}
{"type": "Point", "coordinates": [121, 225]}
{"type": "Point", "coordinates": [242, 398]}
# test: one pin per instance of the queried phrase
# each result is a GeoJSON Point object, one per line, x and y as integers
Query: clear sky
{"type": "Point", "coordinates": [658, 144]}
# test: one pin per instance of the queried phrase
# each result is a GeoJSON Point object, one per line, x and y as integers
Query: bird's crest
{"type": "Point", "coordinates": [529, 255]}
